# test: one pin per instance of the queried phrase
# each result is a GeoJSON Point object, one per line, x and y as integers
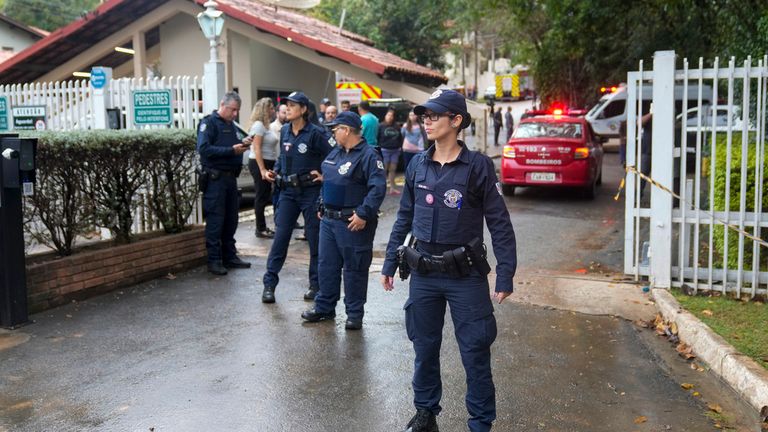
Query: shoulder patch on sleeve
{"type": "Point", "coordinates": [203, 126]}
{"type": "Point", "coordinates": [379, 164]}
{"type": "Point", "coordinates": [498, 188]}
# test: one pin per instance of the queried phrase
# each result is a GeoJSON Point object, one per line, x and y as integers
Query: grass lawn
{"type": "Point", "coordinates": [743, 324]}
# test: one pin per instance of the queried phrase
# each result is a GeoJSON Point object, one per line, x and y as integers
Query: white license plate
{"type": "Point", "coordinates": [543, 177]}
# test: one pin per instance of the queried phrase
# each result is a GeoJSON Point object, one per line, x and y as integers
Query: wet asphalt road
{"type": "Point", "coordinates": [200, 353]}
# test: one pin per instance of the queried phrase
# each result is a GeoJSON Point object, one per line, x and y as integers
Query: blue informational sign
{"type": "Point", "coordinates": [98, 78]}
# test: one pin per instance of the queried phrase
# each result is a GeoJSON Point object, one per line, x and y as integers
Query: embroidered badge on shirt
{"type": "Point", "coordinates": [302, 148]}
{"type": "Point", "coordinates": [380, 164]}
{"type": "Point", "coordinates": [498, 188]}
{"type": "Point", "coordinates": [345, 168]}
{"type": "Point", "coordinates": [332, 142]}
{"type": "Point", "coordinates": [287, 146]}
{"type": "Point", "coordinates": [452, 198]}
{"type": "Point", "coordinates": [429, 199]}
{"type": "Point", "coordinates": [203, 127]}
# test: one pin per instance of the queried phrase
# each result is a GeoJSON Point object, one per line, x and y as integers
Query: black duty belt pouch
{"type": "Point", "coordinates": [202, 179]}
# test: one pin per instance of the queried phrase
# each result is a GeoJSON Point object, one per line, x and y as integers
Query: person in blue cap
{"type": "Point", "coordinates": [448, 191]}
{"type": "Point", "coordinates": [353, 189]}
{"type": "Point", "coordinates": [221, 146]}
{"type": "Point", "coordinates": [303, 146]}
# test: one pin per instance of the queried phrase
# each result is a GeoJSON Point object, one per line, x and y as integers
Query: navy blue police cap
{"type": "Point", "coordinates": [298, 97]}
{"type": "Point", "coordinates": [346, 118]}
{"type": "Point", "coordinates": [446, 101]}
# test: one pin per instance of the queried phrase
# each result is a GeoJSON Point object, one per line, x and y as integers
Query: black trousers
{"type": "Point", "coordinates": [263, 192]}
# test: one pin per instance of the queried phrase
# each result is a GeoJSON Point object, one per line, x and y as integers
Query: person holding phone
{"type": "Point", "coordinates": [221, 147]}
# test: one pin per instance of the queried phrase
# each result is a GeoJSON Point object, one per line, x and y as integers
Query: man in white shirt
{"type": "Point", "coordinates": [276, 125]}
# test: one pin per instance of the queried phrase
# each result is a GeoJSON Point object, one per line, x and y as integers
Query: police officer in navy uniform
{"type": "Point", "coordinates": [221, 147]}
{"type": "Point", "coordinates": [448, 190]}
{"type": "Point", "coordinates": [303, 146]}
{"type": "Point", "coordinates": [353, 189]}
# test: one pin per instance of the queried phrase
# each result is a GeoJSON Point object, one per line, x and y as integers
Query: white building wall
{"type": "Point", "coordinates": [12, 37]}
{"type": "Point", "coordinates": [183, 48]}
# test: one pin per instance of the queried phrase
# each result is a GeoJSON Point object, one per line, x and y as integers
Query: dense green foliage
{"type": "Point", "coordinates": [735, 197]}
{"type": "Point", "coordinates": [47, 14]}
{"type": "Point", "coordinates": [94, 178]}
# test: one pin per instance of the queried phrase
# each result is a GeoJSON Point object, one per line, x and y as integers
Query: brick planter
{"type": "Point", "coordinates": [86, 274]}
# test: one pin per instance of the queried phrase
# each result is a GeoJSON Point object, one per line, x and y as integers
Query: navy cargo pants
{"type": "Point", "coordinates": [475, 329]}
{"type": "Point", "coordinates": [292, 202]}
{"type": "Point", "coordinates": [352, 251]}
{"type": "Point", "coordinates": [220, 207]}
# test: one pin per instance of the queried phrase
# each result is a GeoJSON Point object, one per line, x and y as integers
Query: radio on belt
{"type": "Point", "coordinates": [17, 178]}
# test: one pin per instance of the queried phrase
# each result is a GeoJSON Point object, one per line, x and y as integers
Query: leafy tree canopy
{"type": "Point", "coordinates": [47, 14]}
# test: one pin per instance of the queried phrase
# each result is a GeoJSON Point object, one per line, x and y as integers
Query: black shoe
{"type": "Point", "coordinates": [311, 293]}
{"type": "Point", "coordinates": [423, 421]}
{"type": "Point", "coordinates": [217, 269]}
{"type": "Point", "coordinates": [353, 324]}
{"type": "Point", "coordinates": [268, 295]}
{"type": "Point", "coordinates": [314, 316]}
{"type": "Point", "coordinates": [267, 233]}
{"type": "Point", "coordinates": [237, 263]}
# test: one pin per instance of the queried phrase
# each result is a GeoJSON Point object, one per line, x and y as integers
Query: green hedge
{"type": "Point", "coordinates": [735, 197]}
{"type": "Point", "coordinates": [88, 178]}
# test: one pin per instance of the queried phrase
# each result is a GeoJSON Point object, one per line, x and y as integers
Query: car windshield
{"type": "Point", "coordinates": [548, 130]}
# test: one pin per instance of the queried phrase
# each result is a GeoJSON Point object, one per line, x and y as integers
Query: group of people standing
{"type": "Point", "coordinates": [335, 175]}
{"type": "Point", "coordinates": [498, 123]}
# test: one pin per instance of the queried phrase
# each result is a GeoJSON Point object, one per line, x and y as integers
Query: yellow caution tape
{"type": "Point", "coordinates": [633, 170]}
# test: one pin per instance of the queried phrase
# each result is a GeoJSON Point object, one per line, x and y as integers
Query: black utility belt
{"type": "Point", "coordinates": [341, 214]}
{"type": "Point", "coordinates": [457, 262]}
{"type": "Point", "coordinates": [215, 174]}
{"type": "Point", "coordinates": [296, 181]}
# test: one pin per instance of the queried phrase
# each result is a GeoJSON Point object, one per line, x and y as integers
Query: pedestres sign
{"type": "Point", "coordinates": [29, 117]}
{"type": "Point", "coordinates": [152, 107]}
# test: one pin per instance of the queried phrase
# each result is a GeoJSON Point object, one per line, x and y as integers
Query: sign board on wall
{"type": "Point", "coordinates": [3, 113]}
{"type": "Point", "coordinates": [152, 107]}
{"type": "Point", "coordinates": [29, 117]}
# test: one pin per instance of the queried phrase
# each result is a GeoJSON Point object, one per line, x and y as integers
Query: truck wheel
{"type": "Point", "coordinates": [508, 190]}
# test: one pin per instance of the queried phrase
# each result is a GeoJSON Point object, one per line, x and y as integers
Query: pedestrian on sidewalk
{"type": "Point", "coordinates": [303, 146]}
{"type": "Point", "coordinates": [510, 122]}
{"type": "Point", "coordinates": [353, 189]}
{"type": "Point", "coordinates": [413, 138]}
{"type": "Point", "coordinates": [497, 125]}
{"type": "Point", "coordinates": [221, 148]}
{"type": "Point", "coordinates": [261, 160]}
{"type": "Point", "coordinates": [448, 190]}
{"type": "Point", "coordinates": [391, 142]}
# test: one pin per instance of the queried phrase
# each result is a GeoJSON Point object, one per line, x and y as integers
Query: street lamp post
{"type": "Point", "coordinates": [212, 23]}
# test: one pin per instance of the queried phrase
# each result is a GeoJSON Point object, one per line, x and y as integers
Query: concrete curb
{"type": "Point", "coordinates": [742, 373]}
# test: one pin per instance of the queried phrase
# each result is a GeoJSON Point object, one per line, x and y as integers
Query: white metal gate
{"type": "Point", "coordinates": [699, 221]}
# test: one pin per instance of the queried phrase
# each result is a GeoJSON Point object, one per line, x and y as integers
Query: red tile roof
{"type": "Point", "coordinates": [67, 42]}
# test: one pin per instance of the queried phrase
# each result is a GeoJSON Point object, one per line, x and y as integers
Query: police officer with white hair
{"type": "Point", "coordinates": [448, 191]}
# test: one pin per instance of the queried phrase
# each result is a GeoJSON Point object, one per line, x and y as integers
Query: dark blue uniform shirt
{"type": "Point", "coordinates": [354, 179]}
{"type": "Point", "coordinates": [303, 152]}
{"type": "Point", "coordinates": [444, 205]}
{"type": "Point", "coordinates": [215, 139]}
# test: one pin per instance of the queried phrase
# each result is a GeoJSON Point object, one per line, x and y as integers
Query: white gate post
{"type": "Point", "coordinates": [101, 79]}
{"type": "Point", "coordinates": [662, 142]}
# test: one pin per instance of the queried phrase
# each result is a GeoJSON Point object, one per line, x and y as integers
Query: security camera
{"type": "Point", "coordinates": [10, 154]}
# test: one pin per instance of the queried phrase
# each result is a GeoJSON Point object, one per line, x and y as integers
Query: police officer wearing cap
{"type": "Point", "coordinates": [353, 189]}
{"type": "Point", "coordinates": [303, 146]}
{"type": "Point", "coordinates": [221, 146]}
{"type": "Point", "coordinates": [448, 190]}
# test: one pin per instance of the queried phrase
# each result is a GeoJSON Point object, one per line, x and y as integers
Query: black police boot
{"type": "Point", "coordinates": [311, 293]}
{"type": "Point", "coordinates": [312, 315]}
{"type": "Point", "coordinates": [216, 268]}
{"type": "Point", "coordinates": [353, 324]}
{"type": "Point", "coordinates": [423, 421]}
{"type": "Point", "coordinates": [268, 295]}
{"type": "Point", "coordinates": [236, 262]}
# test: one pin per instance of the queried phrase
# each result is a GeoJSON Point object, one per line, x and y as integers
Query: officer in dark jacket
{"type": "Point", "coordinates": [448, 190]}
{"type": "Point", "coordinates": [303, 146]}
{"type": "Point", "coordinates": [353, 189]}
{"type": "Point", "coordinates": [221, 147]}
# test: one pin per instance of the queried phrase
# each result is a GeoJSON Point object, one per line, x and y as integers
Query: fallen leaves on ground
{"type": "Point", "coordinates": [170, 276]}
{"type": "Point", "coordinates": [686, 386]}
{"type": "Point", "coordinates": [685, 351]}
{"type": "Point", "coordinates": [707, 312]}
{"type": "Point", "coordinates": [641, 420]}
{"type": "Point", "coordinates": [715, 407]}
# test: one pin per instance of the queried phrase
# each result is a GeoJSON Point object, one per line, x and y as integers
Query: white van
{"type": "Point", "coordinates": [606, 116]}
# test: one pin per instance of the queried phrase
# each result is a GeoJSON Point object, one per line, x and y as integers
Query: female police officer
{"type": "Point", "coordinates": [303, 146]}
{"type": "Point", "coordinates": [448, 190]}
{"type": "Point", "coordinates": [353, 189]}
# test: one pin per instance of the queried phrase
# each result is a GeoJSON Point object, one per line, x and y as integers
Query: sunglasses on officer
{"type": "Point", "coordinates": [340, 127]}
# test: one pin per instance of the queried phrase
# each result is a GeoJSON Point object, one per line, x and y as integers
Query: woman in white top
{"type": "Point", "coordinates": [262, 159]}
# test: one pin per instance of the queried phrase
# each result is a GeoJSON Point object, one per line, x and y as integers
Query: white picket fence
{"type": "Point", "coordinates": [711, 236]}
{"type": "Point", "coordinates": [70, 106]}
